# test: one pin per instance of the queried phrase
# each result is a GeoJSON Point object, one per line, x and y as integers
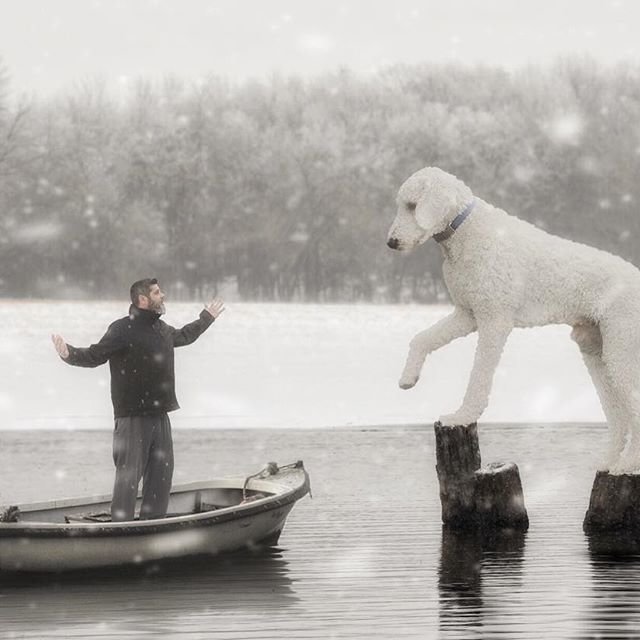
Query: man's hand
{"type": "Point", "coordinates": [215, 307]}
{"type": "Point", "coordinates": [60, 345]}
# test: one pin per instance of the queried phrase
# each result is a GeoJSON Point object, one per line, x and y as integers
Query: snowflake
{"type": "Point", "coordinates": [589, 164]}
{"type": "Point", "coordinates": [523, 174]}
{"type": "Point", "coordinates": [566, 128]}
{"type": "Point", "coordinates": [299, 237]}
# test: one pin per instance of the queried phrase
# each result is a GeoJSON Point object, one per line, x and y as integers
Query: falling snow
{"type": "Point", "coordinates": [566, 128]}
{"type": "Point", "coordinates": [37, 232]}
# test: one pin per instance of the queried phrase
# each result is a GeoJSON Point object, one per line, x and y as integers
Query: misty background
{"type": "Point", "coordinates": [283, 188]}
{"type": "Point", "coordinates": [255, 149]}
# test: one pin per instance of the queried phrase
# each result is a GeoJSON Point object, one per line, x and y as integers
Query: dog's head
{"type": "Point", "coordinates": [427, 202]}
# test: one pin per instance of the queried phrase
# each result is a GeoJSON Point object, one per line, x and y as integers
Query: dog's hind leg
{"type": "Point", "coordinates": [620, 356]}
{"type": "Point", "coordinates": [589, 339]}
{"type": "Point", "coordinates": [456, 325]}
{"type": "Point", "coordinates": [624, 441]}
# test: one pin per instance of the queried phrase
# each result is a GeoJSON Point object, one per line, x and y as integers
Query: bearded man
{"type": "Point", "coordinates": [139, 349]}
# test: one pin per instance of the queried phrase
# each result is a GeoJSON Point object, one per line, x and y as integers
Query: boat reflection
{"type": "Point", "coordinates": [178, 590]}
{"type": "Point", "coordinates": [467, 560]}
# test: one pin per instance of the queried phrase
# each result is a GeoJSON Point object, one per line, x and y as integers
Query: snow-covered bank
{"type": "Point", "coordinates": [287, 365]}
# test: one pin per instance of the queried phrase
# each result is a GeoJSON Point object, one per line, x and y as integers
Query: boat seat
{"type": "Point", "coordinates": [105, 516]}
{"type": "Point", "coordinates": [206, 506]}
{"type": "Point", "coordinates": [100, 516]}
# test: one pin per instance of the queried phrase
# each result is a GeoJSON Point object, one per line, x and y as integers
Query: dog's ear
{"type": "Point", "coordinates": [442, 198]}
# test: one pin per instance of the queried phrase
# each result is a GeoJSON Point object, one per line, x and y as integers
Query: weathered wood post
{"type": "Point", "coordinates": [475, 497]}
{"type": "Point", "coordinates": [614, 504]}
{"type": "Point", "coordinates": [457, 460]}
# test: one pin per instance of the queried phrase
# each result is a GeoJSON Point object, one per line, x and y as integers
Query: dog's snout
{"type": "Point", "coordinates": [393, 243]}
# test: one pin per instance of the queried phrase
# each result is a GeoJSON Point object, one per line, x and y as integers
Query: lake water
{"type": "Point", "coordinates": [366, 557]}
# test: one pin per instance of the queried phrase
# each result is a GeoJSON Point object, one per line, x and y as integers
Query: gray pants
{"type": "Point", "coordinates": [142, 448]}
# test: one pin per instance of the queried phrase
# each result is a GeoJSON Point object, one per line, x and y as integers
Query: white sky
{"type": "Point", "coordinates": [48, 45]}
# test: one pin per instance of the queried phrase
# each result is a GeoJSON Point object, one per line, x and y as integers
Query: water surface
{"type": "Point", "coordinates": [366, 557]}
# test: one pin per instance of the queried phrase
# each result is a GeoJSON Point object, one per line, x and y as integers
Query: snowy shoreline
{"type": "Point", "coordinates": [288, 366]}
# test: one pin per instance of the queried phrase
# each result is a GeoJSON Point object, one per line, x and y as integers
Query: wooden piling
{"type": "Point", "coordinates": [475, 497]}
{"type": "Point", "coordinates": [457, 460]}
{"type": "Point", "coordinates": [614, 504]}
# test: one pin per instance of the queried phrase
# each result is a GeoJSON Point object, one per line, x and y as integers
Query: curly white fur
{"type": "Point", "coordinates": [501, 273]}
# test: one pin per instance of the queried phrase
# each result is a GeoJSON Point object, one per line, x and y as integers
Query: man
{"type": "Point", "coordinates": [139, 348]}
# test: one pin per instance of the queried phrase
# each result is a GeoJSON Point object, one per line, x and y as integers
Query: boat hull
{"type": "Point", "coordinates": [47, 545]}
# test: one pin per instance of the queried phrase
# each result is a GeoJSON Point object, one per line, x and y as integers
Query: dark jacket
{"type": "Point", "coordinates": [139, 349]}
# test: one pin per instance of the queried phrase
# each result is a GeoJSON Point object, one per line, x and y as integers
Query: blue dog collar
{"type": "Point", "coordinates": [455, 223]}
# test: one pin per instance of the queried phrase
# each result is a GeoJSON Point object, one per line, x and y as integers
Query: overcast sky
{"type": "Point", "coordinates": [48, 45]}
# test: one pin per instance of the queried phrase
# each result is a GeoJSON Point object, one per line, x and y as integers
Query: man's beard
{"type": "Point", "coordinates": [157, 307]}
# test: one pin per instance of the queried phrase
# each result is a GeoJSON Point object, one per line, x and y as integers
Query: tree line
{"type": "Point", "coordinates": [284, 189]}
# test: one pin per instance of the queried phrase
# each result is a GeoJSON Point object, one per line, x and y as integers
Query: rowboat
{"type": "Point", "coordinates": [208, 517]}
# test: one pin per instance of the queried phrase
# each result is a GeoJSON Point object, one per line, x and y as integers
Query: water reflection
{"type": "Point", "coordinates": [467, 560]}
{"type": "Point", "coordinates": [615, 584]}
{"type": "Point", "coordinates": [614, 544]}
{"type": "Point", "coordinates": [182, 592]}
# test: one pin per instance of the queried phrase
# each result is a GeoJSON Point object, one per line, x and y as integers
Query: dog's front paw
{"type": "Point", "coordinates": [408, 381]}
{"type": "Point", "coordinates": [609, 463]}
{"type": "Point", "coordinates": [625, 466]}
{"type": "Point", "coordinates": [458, 419]}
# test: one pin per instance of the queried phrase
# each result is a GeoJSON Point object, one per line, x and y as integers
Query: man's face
{"type": "Point", "coordinates": [156, 299]}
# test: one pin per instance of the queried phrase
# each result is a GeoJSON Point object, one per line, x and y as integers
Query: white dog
{"type": "Point", "coordinates": [502, 273]}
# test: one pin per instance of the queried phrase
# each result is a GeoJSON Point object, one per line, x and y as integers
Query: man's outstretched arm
{"type": "Point", "coordinates": [192, 331]}
{"type": "Point", "coordinates": [92, 356]}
